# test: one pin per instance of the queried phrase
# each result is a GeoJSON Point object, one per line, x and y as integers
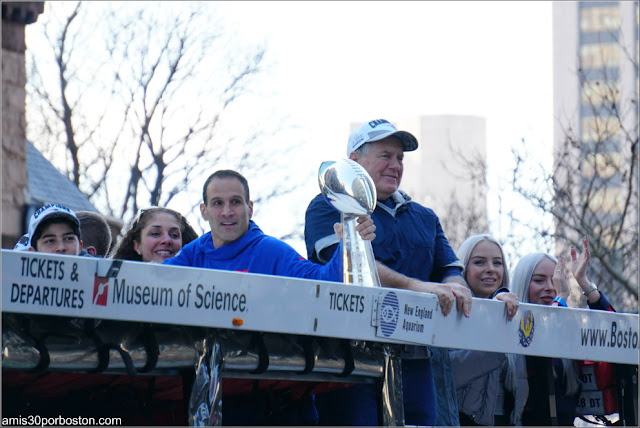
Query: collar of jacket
{"type": "Point", "coordinates": [400, 198]}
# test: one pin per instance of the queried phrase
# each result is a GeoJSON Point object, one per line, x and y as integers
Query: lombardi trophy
{"type": "Point", "coordinates": [349, 188]}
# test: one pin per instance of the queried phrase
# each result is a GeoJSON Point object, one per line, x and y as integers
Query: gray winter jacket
{"type": "Point", "coordinates": [477, 375]}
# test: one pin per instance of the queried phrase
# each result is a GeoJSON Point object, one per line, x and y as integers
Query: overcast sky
{"type": "Point", "coordinates": [329, 64]}
{"type": "Point", "coordinates": [334, 63]}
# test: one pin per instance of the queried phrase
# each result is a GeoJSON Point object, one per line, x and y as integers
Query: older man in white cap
{"type": "Point", "coordinates": [412, 253]}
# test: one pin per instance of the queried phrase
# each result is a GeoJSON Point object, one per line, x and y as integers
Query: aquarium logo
{"type": "Point", "coordinates": [389, 314]}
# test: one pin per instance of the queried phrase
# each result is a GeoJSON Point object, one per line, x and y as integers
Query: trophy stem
{"type": "Point", "coordinates": [358, 260]}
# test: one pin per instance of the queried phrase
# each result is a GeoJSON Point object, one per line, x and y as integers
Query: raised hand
{"type": "Point", "coordinates": [579, 263]}
{"type": "Point", "coordinates": [560, 280]}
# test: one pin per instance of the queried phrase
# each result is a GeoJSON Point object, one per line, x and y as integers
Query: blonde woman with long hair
{"type": "Point", "coordinates": [536, 279]}
{"type": "Point", "coordinates": [480, 376]}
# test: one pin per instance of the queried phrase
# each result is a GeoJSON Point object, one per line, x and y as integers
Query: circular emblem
{"type": "Point", "coordinates": [525, 332]}
{"type": "Point", "coordinates": [389, 314]}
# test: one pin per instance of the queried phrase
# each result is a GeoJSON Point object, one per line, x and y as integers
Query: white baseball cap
{"type": "Point", "coordinates": [376, 130]}
{"type": "Point", "coordinates": [50, 212]}
{"type": "Point", "coordinates": [22, 244]}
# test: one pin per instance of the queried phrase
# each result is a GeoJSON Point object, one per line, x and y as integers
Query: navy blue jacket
{"type": "Point", "coordinates": [409, 238]}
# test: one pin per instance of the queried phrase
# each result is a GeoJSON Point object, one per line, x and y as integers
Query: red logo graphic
{"type": "Point", "coordinates": [100, 290]}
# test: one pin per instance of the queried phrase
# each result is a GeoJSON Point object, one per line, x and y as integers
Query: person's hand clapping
{"type": "Point", "coordinates": [580, 263]}
{"type": "Point", "coordinates": [560, 280]}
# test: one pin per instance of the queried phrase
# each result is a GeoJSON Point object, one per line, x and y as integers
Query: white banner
{"type": "Point", "coordinates": [46, 284]}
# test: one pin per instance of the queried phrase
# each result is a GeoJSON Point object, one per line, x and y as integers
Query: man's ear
{"type": "Point", "coordinates": [92, 250]}
{"type": "Point", "coordinates": [250, 204]}
{"type": "Point", "coordinates": [203, 207]}
{"type": "Point", "coordinates": [353, 156]}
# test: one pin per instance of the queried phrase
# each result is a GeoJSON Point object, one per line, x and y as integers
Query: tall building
{"type": "Point", "coordinates": [595, 90]}
{"type": "Point", "coordinates": [436, 176]}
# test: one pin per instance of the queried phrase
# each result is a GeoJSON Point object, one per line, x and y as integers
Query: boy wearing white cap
{"type": "Point", "coordinates": [55, 229]}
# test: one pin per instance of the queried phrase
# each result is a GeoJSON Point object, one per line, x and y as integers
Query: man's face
{"type": "Point", "coordinates": [58, 238]}
{"type": "Point", "coordinates": [227, 211]}
{"type": "Point", "coordinates": [384, 165]}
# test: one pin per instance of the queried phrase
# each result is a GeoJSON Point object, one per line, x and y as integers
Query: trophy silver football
{"type": "Point", "coordinates": [349, 188]}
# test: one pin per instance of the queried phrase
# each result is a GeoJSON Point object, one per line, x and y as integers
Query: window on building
{"type": "Point", "coordinates": [595, 92]}
{"type": "Point", "coordinates": [605, 165]}
{"type": "Point", "coordinates": [608, 236]}
{"type": "Point", "coordinates": [607, 200]}
{"type": "Point", "coordinates": [599, 55]}
{"type": "Point", "coordinates": [595, 19]}
{"type": "Point", "coordinates": [598, 129]}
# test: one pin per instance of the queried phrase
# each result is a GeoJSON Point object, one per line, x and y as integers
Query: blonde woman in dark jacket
{"type": "Point", "coordinates": [536, 280]}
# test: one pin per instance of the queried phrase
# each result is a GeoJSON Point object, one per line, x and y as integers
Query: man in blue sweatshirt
{"type": "Point", "coordinates": [236, 243]}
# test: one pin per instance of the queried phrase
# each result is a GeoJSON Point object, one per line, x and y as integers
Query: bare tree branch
{"type": "Point", "coordinates": [141, 112]}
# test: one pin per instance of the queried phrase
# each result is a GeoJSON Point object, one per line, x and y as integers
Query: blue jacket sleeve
{"type": "Point", "coordinates": [319, 236]}
{"type": "Point", "coordinates": [292, 264]}
{"type": "Point", "coordinates": [183, 258]}
{"type": "Point", "coordinates": [446, 262]}
{"type": "Point", "coordinates": [603, 304]}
